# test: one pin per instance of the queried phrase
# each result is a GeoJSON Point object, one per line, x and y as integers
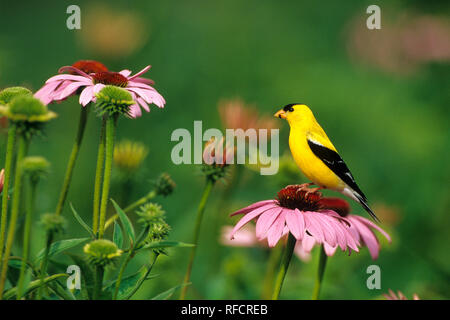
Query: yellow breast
{"type": "Point", "coordinates": [311, 166]}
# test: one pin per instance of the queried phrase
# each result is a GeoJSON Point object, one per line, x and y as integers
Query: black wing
{"type": "Point", "coordinates": [334, 161]}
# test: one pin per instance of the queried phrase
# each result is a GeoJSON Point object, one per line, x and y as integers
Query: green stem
{"type": "Point", "coordinates": [22, 144]}
{"type": "Point", "coordinates": [98, 177]}
{"type": "Point", "coordinates": [31, 196]}
{"type": "Point", "coordinates": [143, 278]}
{"type": "Point", "coordinates": [109, 154]}
{"type": "Point", "coordinates": [272, 266]}
{"type": "Point", "coordinates": [8, 162]}
{"type": "Point", "coordinates": [72, 160]}
{"type": "Point", "coordinates": [285, 260]}
{"type": "Point", "coordinates": [99, 272]}
{"type": "Point", "coordinates": [320, 272]}
{"type": "Point", "coordinates": [198, 222]}
{"type": "Point", "coordinates": [44, 264]}
{"type": "Point", "coordinates": [130, 255]}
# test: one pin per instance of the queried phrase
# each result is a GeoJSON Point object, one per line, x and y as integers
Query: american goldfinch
{"type": "Point", "coordinates": [316, 156]}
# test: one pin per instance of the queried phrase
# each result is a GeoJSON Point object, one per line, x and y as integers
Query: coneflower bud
{"type": "Point", "coordinates": [150, 214]}
{"type": "Point", "coordinates": [217, 155]}
{"type": "Point", "coordinates": [35, 167]}
{"type": "Point", "coordinates": [8, 94]}
{"type": "Point", "coordinates": [158, 232]}
{"type": "Point", "coordinates": [53, 223]}
{"type": "Point", "coordinates": [114, 100]}
{"type": "Point", "coordinates": [129, 156]}
{"type": "Point", "coordinates": [102, 252]}
{"type": "Point", "coordinates": [164, 185]}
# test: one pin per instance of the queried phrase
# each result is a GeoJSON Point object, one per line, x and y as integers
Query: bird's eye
{"type": "Point", "coordinates": [289, 108]}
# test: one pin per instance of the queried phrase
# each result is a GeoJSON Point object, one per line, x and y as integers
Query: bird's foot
{"type": "Point", "coordinates": [303, 186]}
{"type": "Point", "coordinates": [312, 190]}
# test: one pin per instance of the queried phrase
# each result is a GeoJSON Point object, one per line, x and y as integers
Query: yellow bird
{"type": "Point", "coordinates": [316, 156]}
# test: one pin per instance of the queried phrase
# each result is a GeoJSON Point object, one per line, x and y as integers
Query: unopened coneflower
{"type": "Point", "coordinates": [27, 116]}
{"type": "Point", "coordinates": [129, 156]}
{"type": "Point", "coordinates": [298, 214]}
{"type": "Point", "coordinates": [34, 169]}
{"type": "Point", "coordinates": [391, 295]}
{"type": "Point", "coordinates": [101, 253]}
{"type": "Point", "coordinates": [164, 185]}
{"type": "Point", "coordinates": [217, 155]}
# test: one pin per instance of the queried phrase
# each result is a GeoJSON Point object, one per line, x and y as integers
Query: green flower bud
{"type": "Point", "coordinates": [129, 155]}
{"type": "Point", "coordinates": [8, 94]}
{"type": "Point", "coordinates": [26, 108]}
{"type": "Point", "coordinates": [36, 167]}
{"type": "Point", "coordinates": [150, 213]}
{"type": "Point", "coordinates": [102, 252]}
{"type": "Point", "coordinates": [53, 223]}
{"type": "Point", "coordinates": [114, 100]}
{"type": "Point", "coordinates": [164, 185]}
{"type": "Point", "coordinates": [158, 232]}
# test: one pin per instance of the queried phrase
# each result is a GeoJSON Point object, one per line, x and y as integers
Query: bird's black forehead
{"type": "Point", "coordinates": [290, 106]}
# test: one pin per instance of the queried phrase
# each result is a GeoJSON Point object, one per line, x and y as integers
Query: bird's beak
{"type": "Point", "coordinates": [280, 114]}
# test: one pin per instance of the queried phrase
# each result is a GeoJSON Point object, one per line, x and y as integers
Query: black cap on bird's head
{"type": "Point", "coordinates": [287, 108]}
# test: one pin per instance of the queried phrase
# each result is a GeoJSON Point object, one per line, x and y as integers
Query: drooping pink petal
{"type": "Point", "coordinates": [370, 224]}
{"type": "Point", "coordinates": [73, 69]}
{"type": "Point", "coordinates": [296, 223]}
{"type": "Point", "coordinates": [276, 230]}
{"type": "Point", "coordinates": [70, 77]}
{"type": "Point", "coordinates": [329, 250]}
{"type": "Point", "coordinates": [308, 243]}
{"type": "Point", "coordinates": [265, 221]}
{"type": "Point", "coordinates": [313, 226]}
{"type": "Point", "coordinates": [70, 89]}
{"type": "Point", "coordinates": [86, 95]}
{"type": "Point", "coordinates": [45, 94]}
{"type": "Point", "coordinates": [126, 73]}
{"type": "Point", "coordinates": [250, 216]}
{"type": "Point", "coordinates": [368, 237]}
{"type": "Point", "coordinates": [254, 206]}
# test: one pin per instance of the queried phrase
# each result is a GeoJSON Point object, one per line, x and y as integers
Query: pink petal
{"type": "Point", "coordinates": [70, 89]}
{"type": "Point", "coordinates": [296, 223]}
{"type": "Point", "coordinates": [140, 73]}
{"type": "Point", "coordinates": [86, 95]}
{"type": "Point", "coordinates": [70, 77]}
{"type": "Point", "coordinates": [254, 206]}
{"type": "Point", "coordinates": [276, 230]}
{"type": "Point", "coordinates": [314, 226]}
{"type": "Point", "coordinates": [370, 224]}
{"type": "Point", "coordinates": [369, 238]}
{"type": "Point", "coordinates": [265, 221]}
{"type": "Point", "coordinates": [308, 243]}
{"type": "Point", "coordinates": [329, 250]}
{"type": "Point", "coordinates": [125, 72]}
{"type": "Point", "coordinates": [73, 69]}
{"type": "Point", "coordinates": [248, 217]}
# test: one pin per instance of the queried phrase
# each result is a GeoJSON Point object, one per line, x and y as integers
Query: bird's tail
{"type": "Point", "coordinates": [363, 201]}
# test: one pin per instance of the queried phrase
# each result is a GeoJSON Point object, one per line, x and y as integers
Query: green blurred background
{"type": "Point", "coordinates": [381, 95]}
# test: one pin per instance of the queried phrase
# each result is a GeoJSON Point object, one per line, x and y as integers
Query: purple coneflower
{"type": "Point", "coordinates": [62, 86]}
{"type": "Point", "coordinates": [299, 213]}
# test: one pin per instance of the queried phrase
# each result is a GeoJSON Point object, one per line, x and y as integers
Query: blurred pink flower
{"type": "Point", "coordinates": [399, 296]}
{"type": "Point", "coordinates": [360, 227]}
{"type": "Point", "coordinates": [400, 46]}
{"type": "Point", "coordinates": [62, 86]}
{"type": "Point", "coordinates": [2, 179]}
{"type": "Point", "coordinates": [218, 152]}
{"type": "Point", "coordinates": [300, 214]}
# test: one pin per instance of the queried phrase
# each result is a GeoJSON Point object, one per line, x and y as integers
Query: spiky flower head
{"type": "Point", "coordinates": [102, 252]}
{"type": "Point", "coordinates": [129, 155]}
{"type": "Point", "coordinates": [53, 223]}
{"type": "Point", "coordinates": [150, 214]}
{"type": "Point", "coordinates": [164, 185]}
{"type": "Point", "coordinates": [158, 232]}
{"type": "Point", "coordinates": [28, 109]}
{"type": "Point", "coordinates": [217, 155]}
{"type": "Point", "coordinates": [35, 167]}
{"type": "Point", "coordinates": [114, 100]}
{"type": "Point", "coordinates": [8, 94]}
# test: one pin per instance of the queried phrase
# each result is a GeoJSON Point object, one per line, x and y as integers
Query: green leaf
{"type": "Point", "coordinates": [167, 294]}
{"type": "Point", "coordinates": [81, 221]}
{"type": "Point", "coordinates": [127, 284]}
{"type": "Point", "coordinates": [60, 246]}
{"type": "Point", "coordinates": [87, 278]}
{"type": "Point", "coordinates": [125, 222]}
{"type": "Point", "coordinates": [33, 285]}
{"type": "Point", "coordinates": [118, 235]}
{"type": "Point", "coordinates": [166, 244]}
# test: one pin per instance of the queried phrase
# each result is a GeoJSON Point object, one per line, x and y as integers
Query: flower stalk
{"type": "Point", "coordinates": [8, 163]}
{"type": "Point", "coordinates": [201, 208]}
{"type": "Point", "coordinates": [31, 197]}
{"type": "Point", "coordinates": [320, 272]}
{"type": "Point", "coordinates": [285, 261]}
{"type": "Point", "coordinates": [110, 130]}
{"type": "Point", "coordinates": [98, 177]}
{"type": "Point", "coordinates": [44, 263]}
{"type": "Point", "coordinates": [72, 160]}
{"type": "Point", "coordinates": [22, 146]}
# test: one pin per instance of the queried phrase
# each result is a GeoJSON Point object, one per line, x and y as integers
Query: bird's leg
{"type": "Point", "coordinates": [313, 190]}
